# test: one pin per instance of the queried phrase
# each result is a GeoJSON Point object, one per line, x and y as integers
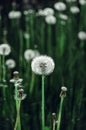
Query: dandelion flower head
{"type": "Point", "coordinates": [42, 65]}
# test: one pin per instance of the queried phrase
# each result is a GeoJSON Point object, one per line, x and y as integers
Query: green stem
{"type": "Point", "coordinates": [18, 103]}
{"type": "Point", "coordinates": [3, 73]}
{"type": "Point", "coordinates": [60, 113]}
{"type": "Point", "coordinates": [32, 83]}
{"type": "Point", "coordinates": [43, 111]}
{"type": "Point", "coordinates": [49, 40]}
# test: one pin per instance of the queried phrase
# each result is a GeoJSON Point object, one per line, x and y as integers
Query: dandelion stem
{"type": "Point", "coordinates": [60, 113]}
{"type": "Point", "coordinates": [3, 72]}
{"type": "Point", "coordinates": [18, 103]}
{"type": "Point", "coordinates": [43, 112]}
{"type": "Point", "coordinates": [32, 83]}
{"type": "Point", "coordinates": [54, 123]}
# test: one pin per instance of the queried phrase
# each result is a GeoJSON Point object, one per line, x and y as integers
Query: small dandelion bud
{"type": "Point", "coordinates": [16, 74]}
{"type": "Point", "coordinates": [43, 65]}
{"type": "Point", "coordinates": [74, 10]}
{"type": "Point", "coordinates": [82, 35]}
{"type": "Point", "coordinates": [54, 116]}
{"type": "Point", "coordinates": [5, 49]}
{"type": "Point", "coordinates": [60, 6]}
{"type": "Point", "coordinates": [63, 91]}
{"type": "Point", "coordinates": [10, 63]}
{"type": "Point", "coordinates": [21, 95]}
{"type": "Point", "coordinates": [50, 19]}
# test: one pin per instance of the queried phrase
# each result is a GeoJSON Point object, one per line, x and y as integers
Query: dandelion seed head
{"type": "Point", "coordinates": [60, 6]}
{"type": "Point", "coordinates": [82, 2]}
{"type": "Point", "coordinates": [50, 19]}
{"type": "Point", "coordinates": [63, 16]}
{"type": "Point", "coordinates": [29, 54]}
{"type": "Point", "coordinates": [14, 14]}
{"type": "Point", "coordinates": [74, 9]}
{"type": "Point", "coordinates": [26, 35]}
{"type": "Point", "coordinates": [27, 12]}
{"type": "Point", "coordinates": [5, 49]}
{"type": "Point", "coordinates": [42, 65]}
{"type": "Point", "coordinates": [82, 35]}
{"type": "Point", "coordinates": [48, 11]}
{"type": "Point", "coordinates": [10, 63]}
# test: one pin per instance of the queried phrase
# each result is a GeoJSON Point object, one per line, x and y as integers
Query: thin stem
{"type": "Point", "coordinates": [18, 103]}
{"type": "Point", "coordinates": [18, 117]}
{"type": "Point", "coordinates": [32, 83]}
{"type": "Point", "coordinates": [43, 111]}
{"type": "Point", "coordinates": [60, 113]}
{"type": "Point", "coordinates": [54, 123]}
{"type": "Point", "coordinates": [3, 72]}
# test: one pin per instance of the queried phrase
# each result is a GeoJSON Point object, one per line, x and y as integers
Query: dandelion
{"type": "Point", "coordinates": [74, 9]}
{"type": "Point", "coordinates": [27, 12]}
{"type": "Point", "coordinates": [62, 96]}
{"type": "Point", "coordinates": [82, 35]}
{"type": "Point", "coordinates": [48, 11]}
{"type": "Point", "coordinates": [82, 2]}
{"type": "Point", "coordinates": [19, 95]}
{"type": "Point", "coordinates": [10, 63]}
{"type": "Point", "coordinates": [14, 14]}
{"type": "Point", "coordinates": [40, 12]}
{"type": "Point", "coordinates": [60, 6]}
{"type": "Point", "coordinates": [43, 65]}
{"type": "Point", "coordinates": [26, 35]}
{"type": "Point", "coordinates": [5, 49]}
{"type": "Point", "coordinates": [63, 17]}
{"type": "Point", "coordinates": [50, 19]}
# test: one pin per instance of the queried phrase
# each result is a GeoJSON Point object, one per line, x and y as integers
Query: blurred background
{"type": "Point", "coordinates": [56, 28]}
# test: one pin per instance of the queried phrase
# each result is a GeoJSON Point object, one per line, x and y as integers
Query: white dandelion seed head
{"type": "Point", "coordinates": [29, 54]}
{"type": "Point", "coordinates": [5, 49]}
{"type": "Point", "coordinates": [48, 11]}
{"type": "Point", "coordinates": [50, 19]}
{"type": "Point", "coordinates": [82, 2]}
{"type": "Point", "coordinates": [26, 35]}
{"type": "Point", "coordinates": [10, 63]}
{"type": "Point", "coordinates": [74, 9]}
{"type": "Point", "coordinates": [63, 16]}
{"type": "Point", "coordinates": [82, 35]}
{"type": "Point", "coordinates": [60, 6]}
{"type": "Point", "coordinates": [27, 12]}
{"type": "Point", "coordinates": [14, 14]}
{"type": "Point", "coordinates": [63, 88]}
{"type": "Point", "coordinates": [42, 65]}
{"type": "Point", "coordinates": [40, 12]}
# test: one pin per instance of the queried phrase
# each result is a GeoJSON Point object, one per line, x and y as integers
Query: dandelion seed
{"type": "Point", "coordinates": [50, 19]}
{"type": "Point", "coordinates": [60, 6]}
{"type": "Point", "coordinates": [82, 35]}
{"type": "Point", "coordinates": [74, 10]}
{"type": "Point", "coordinates": [10, 63]}
{"type": "Point", "coordinates": [14, 14]}
{"type": "Point", "coordinates": [43, 65]}
{"type": "Point", "coordinates": [5, 49]}
{"type": "Point", "coordinates": [82, 2]}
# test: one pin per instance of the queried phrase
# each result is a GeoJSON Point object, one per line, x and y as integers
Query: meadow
{"type": "Point", "coordinates": [42, 67]}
